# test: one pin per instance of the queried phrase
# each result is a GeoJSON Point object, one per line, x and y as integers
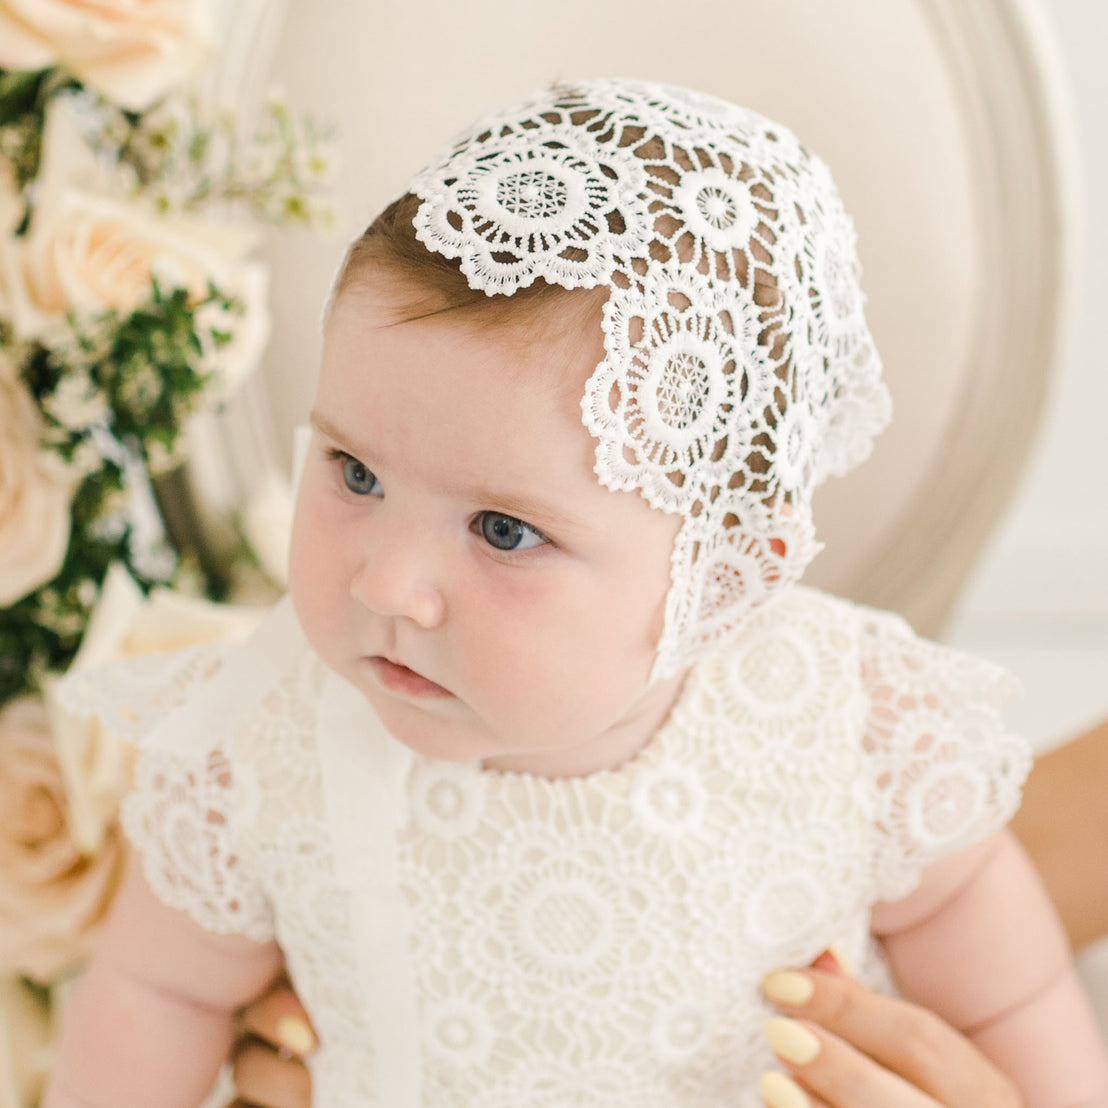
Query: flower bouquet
{"type": "Point", "coordinates": [130, 301]}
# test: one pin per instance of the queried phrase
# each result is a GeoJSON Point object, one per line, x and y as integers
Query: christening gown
{"type": "Point", "coordinates": [468, 937]}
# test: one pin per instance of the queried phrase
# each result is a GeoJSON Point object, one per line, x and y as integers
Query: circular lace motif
{"type": "Point", "coordinates": [681, 1030]}
{"type": "Point", "coordinates": [459, 1032]}
{"type": "Point", "coordinates": [556, 206]}
{"type": "Point", "coordinates": [665, 403]}
{"type": "Point", "coordinates": [775, 674]}
{"type": "Point", "coordinates": [559, 920]}
{"type": "Point", "coordinates": [945, 803]}
{"type": "Point", "coordinates": [717, 209]}
{"type": "Point", "coordinates": [567, 923]}
{"type": "Point", "coordinates": [446, 799]}
{"type": "Point", "coordinates": [670, 799]}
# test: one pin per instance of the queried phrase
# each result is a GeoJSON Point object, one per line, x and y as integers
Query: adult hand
{"type": "Point", "coordinates": [845, 1046]}
{"type": "Point", "coordinates": [276, 1036]}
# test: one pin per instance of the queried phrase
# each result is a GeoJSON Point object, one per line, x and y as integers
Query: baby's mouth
{"type": "Point", "coordinates": [400, 679]}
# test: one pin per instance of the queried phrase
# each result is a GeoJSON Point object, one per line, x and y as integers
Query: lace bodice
{"type": "Point", "coordinates": [463, 936]}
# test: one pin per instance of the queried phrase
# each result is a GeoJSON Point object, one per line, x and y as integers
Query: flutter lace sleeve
{"type": "Point", "coordinates": [180, 814]}
{"type": "Point", "coordinates": [946, 771]}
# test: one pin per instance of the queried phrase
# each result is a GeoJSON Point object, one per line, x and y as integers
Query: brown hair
{"type": "Point", "coordinates": [435, 283]}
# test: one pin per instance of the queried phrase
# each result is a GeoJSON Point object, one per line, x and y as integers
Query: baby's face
{"type": "Point", "coordinates": [453, 554]}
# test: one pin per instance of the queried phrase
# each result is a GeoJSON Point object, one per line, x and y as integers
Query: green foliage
{"type": "Point", "coordinates": [114, 390]}
{"type": "Point", "coordinates": [145, 370]}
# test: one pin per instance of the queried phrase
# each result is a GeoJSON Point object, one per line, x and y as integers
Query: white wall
{"type": "Point", "coordinates": [1039, 600]}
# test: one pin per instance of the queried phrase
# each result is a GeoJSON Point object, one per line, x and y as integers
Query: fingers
{"type": "Point", "coordinates": [279, 1018]}
{"type": "Point", "coordinates": [827, 1071]}
{"type": "Point", "coordinates": [867, 1041]}
{"type": "Point", "coordinates": [264, 1077]}
{"type": "Point", "coordinates": [779, 1091]}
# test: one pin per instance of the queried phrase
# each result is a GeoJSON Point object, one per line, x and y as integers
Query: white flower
{"type": "Point", "coordinates": [34, 499]}
{"type": "Point", "coordinates": [77, 403]}
{"type": "Point", "coordinates": [131, 53]}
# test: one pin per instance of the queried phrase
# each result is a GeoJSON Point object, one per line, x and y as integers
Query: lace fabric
{"type": "Point", "coordinates": [739, 369]}
{"type": "Point", "coordinates": [592, 940]}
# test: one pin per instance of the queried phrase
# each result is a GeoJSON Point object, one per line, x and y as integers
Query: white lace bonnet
{"type": "Point", "coordinates": [739, 370]}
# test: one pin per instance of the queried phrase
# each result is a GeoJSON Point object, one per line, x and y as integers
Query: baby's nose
{"type": "Point", "coordinates": [396, 582]}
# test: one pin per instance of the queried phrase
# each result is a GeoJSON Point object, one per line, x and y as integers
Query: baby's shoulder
{"type": "Point", "coordinates": [889, 650]}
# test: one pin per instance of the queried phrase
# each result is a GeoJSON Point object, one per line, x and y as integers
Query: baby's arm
{"type": "Point", "coordinates": [152, 1019]}
{"type": "Point", "coordinates": [979, 943]}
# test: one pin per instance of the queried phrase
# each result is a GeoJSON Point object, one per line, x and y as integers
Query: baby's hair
{"type": "Point", "coordinates": [431, 283]}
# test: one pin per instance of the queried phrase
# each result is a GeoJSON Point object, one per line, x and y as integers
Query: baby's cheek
{"type": "Point", "coordinates": [313, 572]}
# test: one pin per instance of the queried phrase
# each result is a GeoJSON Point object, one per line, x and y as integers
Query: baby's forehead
{"type": "Point", "coordinates": [556, 332]}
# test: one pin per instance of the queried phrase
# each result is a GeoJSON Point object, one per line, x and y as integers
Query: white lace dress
{"type": "Point", "coordinates": [466, 937]}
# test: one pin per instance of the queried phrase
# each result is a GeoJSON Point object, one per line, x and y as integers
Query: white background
{"type": "Point", "coordinates": [1038, 602]}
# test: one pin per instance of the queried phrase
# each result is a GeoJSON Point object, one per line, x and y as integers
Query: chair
{"type": "Point", "coordinates": [941, 120]}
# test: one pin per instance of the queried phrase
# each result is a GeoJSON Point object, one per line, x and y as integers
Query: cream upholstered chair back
{"type": "Point", "coordinates": [939, 118]}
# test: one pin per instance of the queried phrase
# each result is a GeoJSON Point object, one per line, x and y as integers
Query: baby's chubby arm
{"type": "Point", "coordinates": [152, 1019]}
{"type": "Point", "coordinates": [979, 943]}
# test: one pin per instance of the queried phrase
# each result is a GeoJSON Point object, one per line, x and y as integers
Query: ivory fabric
{"type": "Point", "coordinates": [463, 936]}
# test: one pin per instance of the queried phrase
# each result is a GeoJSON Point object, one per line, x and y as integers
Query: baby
{"type": "Point", "coordinates": [548, 761]}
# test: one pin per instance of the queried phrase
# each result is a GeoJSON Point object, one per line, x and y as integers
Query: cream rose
{"type": "Point", "coordinates": [132, 53]}
{"type": "Point", "coordinates": [96, 764]}
{"type": "Point", "coordinates": [88, 251]}
{"type": "Point", "coordinates": [52, 896]}
{"type": "Point", "coordinates": [34, 499]}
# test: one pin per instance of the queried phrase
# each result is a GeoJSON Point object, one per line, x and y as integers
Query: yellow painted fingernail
{"type": "Point", "coordinates": [791, 1041]}
{"type": "Point", "coordinates": [295, 1035]}
{"type": "Point", "coordinates": [778, 1091]}
{"type": "Point", "coordinates": [788, 987]}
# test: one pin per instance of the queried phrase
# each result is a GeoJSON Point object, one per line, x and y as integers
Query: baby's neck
{"type": "Point", "coordinates": [617, 745]}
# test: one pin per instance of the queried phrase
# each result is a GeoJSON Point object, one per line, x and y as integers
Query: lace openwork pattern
{"type": "Point", "coordinates": [945, 768]}
{"type": "Point", "coordinates": [597, 940]}
{"type": "Point", "coordinates": [739, 369]}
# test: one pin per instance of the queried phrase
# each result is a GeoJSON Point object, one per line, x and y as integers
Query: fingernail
{"type": "Point", "coordinates": [295, 1035]}
{"type": "Point", "coordinates": [836, 952]}
{"type": "Point", "coordinates": [778, 1091]}
{"type": "Point", "coordinates": [788, 987]}
{"type": "Point", "coordinates": [791, 1041]}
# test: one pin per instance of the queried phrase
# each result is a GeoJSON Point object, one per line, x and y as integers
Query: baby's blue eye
{"type": "Point", "coordinates": [359, 480]}
{"type": "Point", "coordinates": [508, 533]}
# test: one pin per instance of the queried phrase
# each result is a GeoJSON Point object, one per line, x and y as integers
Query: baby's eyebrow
{"type": "Point", "coordinates": [322, 423]}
